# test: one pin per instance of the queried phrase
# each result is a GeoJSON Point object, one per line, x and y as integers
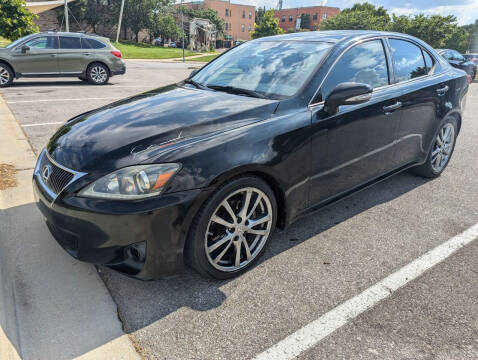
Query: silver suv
{"type": "Point", "coordinates": [56, 54]}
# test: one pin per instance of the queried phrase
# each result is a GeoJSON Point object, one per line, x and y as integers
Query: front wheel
{"type": "Point", "coordinates": [441, 151]}
{"type": "Point", "coordinates": [6, 75]}
{"type": "Point", "coordinates": [233, 228]}
{"type": "Point", "coordinates": [97, 74]}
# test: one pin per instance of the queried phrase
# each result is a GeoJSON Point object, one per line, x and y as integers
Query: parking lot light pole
{"type": "Point", "coordinates": [119, 21]}
{"type": "Point", "coordinates": [67, 23]}
{"type": "Point", "coordinates": [182, 26]}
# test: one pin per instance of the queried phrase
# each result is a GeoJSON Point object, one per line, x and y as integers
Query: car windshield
{"type": "Point", "coordinates": [16, 42]}
{"type": "Point", "coordinates": [276, 69]}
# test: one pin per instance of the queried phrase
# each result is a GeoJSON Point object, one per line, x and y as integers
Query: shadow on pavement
{"type": "Point", "coordinates": [142, 303]}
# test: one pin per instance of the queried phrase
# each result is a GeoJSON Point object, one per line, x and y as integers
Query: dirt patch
{"type": "Point", "coordinates": [7, 176]}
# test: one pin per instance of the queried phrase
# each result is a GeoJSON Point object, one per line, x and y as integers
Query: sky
{"type": "Point", "coordinates": [466, 11]}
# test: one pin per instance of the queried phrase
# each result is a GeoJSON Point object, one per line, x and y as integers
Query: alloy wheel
{"type": "Point", "coordinates": [4, 76]}
{"type": "Point", "coordinates": [98, 74]}
{"type": "Point", "coordinates": [238, 229]}
{"type": "Point", "coordinates": [443, 147]}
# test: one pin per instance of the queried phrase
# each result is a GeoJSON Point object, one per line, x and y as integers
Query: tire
{"type": "Point", "coordinates": [438, 153]}
{"type": "Point", "coordinates": [211, 247]}
{"type": "Point", "coordinates": [97, 74]}
{"type": "Point", "coordinates": [6, 75]}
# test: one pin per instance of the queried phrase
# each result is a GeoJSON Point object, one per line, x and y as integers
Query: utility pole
{"type": "Point", "coordinates": [182, 26]}
{"type": "Point", "coordinates": [67, 23]}
{"type": "Point", "coordinates": [119, 21]}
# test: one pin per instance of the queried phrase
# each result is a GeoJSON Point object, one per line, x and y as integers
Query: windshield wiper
{"type": "Point", "coordinates": [196, 84]}
{"type": "Point", "coordinates": [235, 90]}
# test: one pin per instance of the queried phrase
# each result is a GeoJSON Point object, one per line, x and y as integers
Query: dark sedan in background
{"type": "Point", "coordinates": [471, 57]}
{"type": "Point", "coordinates": [457, 60]}
{"type": "Point", "coordinates": [206, 169]}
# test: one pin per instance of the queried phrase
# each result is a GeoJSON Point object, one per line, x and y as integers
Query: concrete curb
{"type": "Point", "coordinates": [51, 306]}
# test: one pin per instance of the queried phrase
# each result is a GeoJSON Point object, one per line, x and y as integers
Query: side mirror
{"type": "Point", "coordinates": [194, 72]}
{"type": "Point", "coordinates": [348, 93]}
{"type": "Point", "coordinates": [25, 48]}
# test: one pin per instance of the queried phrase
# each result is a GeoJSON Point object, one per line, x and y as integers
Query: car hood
{"type": "Point", "coordinates": [129, 131]}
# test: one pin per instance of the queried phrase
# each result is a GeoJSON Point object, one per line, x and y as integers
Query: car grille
{"type": "Point", "coordinates": [58, 178]}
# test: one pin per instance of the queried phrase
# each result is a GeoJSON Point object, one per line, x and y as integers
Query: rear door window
{"type": "Point", "coordinates": [408, 60]}
{"type": "Point", "coordinates": [92, 44]}
{"type": "Point", "coordinates": [364, 63]}
{"type": "Point", "coordinates": [70, 42]}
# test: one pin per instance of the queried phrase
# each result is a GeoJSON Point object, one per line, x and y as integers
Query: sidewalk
{"type": "Point", "coordinates": [51, 306]}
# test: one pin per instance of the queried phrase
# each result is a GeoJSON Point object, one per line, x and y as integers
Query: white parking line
{"type": "Point", "coordinates": [308, 336]}
{"type": "Point", "coordinates": [79, 86]}
{"type": "Point", "coordinates": [42, 124]}
{"type": "Point", "coordinates": [52, 100]}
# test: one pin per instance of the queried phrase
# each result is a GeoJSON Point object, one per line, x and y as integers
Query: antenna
{"type": "Point", "coordinates": [279, 5]}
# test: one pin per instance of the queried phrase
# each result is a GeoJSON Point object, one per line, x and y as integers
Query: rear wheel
{"type": "Point", "coordinates": [97, 74]}
{"type": "Point", "coordinates": [441, 151]}
{"type": "Point", "coordinates": [233, 228]}
{"type": "Point", "coordinates": [6, 75]}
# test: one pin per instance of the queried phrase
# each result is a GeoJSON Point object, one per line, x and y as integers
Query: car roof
{"type": "Point", "coordinates": [333, 36]}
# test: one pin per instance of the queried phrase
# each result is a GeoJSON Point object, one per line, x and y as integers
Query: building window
{"type": "Point", "coordinates": [243, 27]}
{"type": "Point", "coordinates": [227, 12]}
{"type": "Point", "coordinates": [227, 26]}
{"type": "Point", "coordinates": [249, 28]}
{"type": "Point", "coordinates": [315, 17]}
{"type": "Point", "coordinates": [283, 18]}
{"type": "Point", "coordinates": [290, 18]}
{"type": "Point", "coordinates": [324, 16]}
{"type": "Point", "coordinates": [250, 14]}
{"type": "Point", "coordinates": [243, 14]}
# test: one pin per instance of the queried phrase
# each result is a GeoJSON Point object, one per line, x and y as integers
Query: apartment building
{"type": "Point", "coordinates": [238, 19]}
{"type": "Point", "coordinates": [317, 14]}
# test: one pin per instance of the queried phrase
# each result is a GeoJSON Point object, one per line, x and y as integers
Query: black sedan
{"type": "Point", "coordinates": [459, 61]}
{"type": "Point", "coordinates": [203, 171]}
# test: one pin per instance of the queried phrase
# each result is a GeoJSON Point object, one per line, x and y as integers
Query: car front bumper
{"type": "Point", "coordinates": [143, 239]}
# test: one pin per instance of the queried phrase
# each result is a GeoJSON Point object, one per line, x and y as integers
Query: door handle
{"type": "Point", "coordinates": [87, 54]}
{"type": "Point", "coordinates": [389, 109]}
{"type": "Point", "coordinates": [443, 90]}
{"type": "Point", "coordinates": [53, 55]}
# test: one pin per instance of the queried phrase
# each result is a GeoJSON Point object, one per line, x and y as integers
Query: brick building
{"type": "Point", "coordinates": [317, 14]}
{"type": "Point", "coordinates": [238, 19]}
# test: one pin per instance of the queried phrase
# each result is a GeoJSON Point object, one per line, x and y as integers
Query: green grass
{"type": "Point", "coordinates": [145, 51]}
{"type": "Point", "coordinates": [4, 42]}
{"type": "Point", "coordinates": [205, 58]}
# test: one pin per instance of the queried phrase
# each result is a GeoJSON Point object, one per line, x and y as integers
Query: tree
{"type": "Point", "coordinates": [260, 11]}
{"type": "Point", "coordinates": [359, 17]}
{"type": "Point", "coordinates": [268, 27]}
{"type": "Point", "coordinates": [16, 20]}
{"type": "Point", "coordinates": [471, 31]}
{"type": "Point", "coordinates": [166, 27]}
{"type": "Point", "coordinates": [136, 14]}
{"type": "Point", "coordinates": [91, 12]}
{"type": "Point", "coordinates": [438, 31]}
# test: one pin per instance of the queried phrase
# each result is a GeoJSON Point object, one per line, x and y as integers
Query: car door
{"type": "Point", "coordinates": [37, 56]}
{"type": "Point", "coordinates": [357, 144]}
{"type": "Point", "coordinates": [423, 89]}
{"type": "Point", "coordinates": [71, 59]}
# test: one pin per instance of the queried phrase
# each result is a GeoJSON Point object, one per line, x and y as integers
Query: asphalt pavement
{"type": "Point", "coordinates": [321, 261]}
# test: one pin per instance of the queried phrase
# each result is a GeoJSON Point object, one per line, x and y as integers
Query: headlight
{"type": "Point", "coordinates": [133, 182]}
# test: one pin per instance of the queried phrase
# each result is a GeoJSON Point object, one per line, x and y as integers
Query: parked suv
{"type": "Point", "coordinates": [56, 54]}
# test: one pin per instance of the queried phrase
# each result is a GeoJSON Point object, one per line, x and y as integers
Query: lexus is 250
{"type": "Point", "coordinates": [203, 171]}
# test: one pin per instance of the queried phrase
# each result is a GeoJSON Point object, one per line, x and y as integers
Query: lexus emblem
{"type": "Point", "coordinates": [46, 172]}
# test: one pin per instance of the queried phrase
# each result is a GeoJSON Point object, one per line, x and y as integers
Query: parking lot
{"type": "Point", "coordinates": [311, 268]}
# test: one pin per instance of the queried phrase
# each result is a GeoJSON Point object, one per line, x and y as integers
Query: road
{"type": "Point", "coordinates": [321, 261]}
